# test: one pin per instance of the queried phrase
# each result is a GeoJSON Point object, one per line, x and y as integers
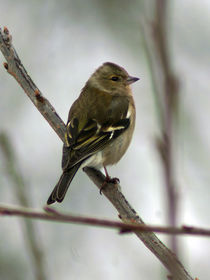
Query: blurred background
{"type": "Point", "coordinates": [61, 43]}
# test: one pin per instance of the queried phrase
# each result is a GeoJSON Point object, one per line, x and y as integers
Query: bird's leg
{"type": "Point", "coordinates": [108, 179]}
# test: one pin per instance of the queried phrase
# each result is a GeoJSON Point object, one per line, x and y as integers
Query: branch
{"type": "Point", "coordinates": [170, 99]}
{"type": "Point", "coordinates": [54, 216]}
{"type": "Point", "coordinates": [15, 68]}
{"type": "Point", "coordinates": [126, 212]}
{"type": "Point", "coordinates": [33, 242]}
{"type": "Point", "coordinates": [165, 85]}
{"type": "Point", "coordinates": [129, 215]}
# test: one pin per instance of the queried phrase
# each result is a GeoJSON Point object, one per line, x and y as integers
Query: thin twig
{"type": "Point", "coordinates": [126, 212]}
{"type": "Point", "coordinates": [54, 216]}
{"type": "Point", "coordinates": [166, 91]}
{"type": "Point", "coordinates": [33, 241]}
{"type": "Point", "coordinates": [169, 96]}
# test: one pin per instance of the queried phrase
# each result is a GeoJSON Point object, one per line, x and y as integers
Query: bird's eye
{"type": "Point", "coordinates": [115, 78]}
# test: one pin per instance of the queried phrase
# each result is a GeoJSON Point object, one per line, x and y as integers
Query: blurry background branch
{"type": "Point", "coordinates": [16, 69]}
{"type": "Point", "coordinates": [165, 87]}
{"type": "Point", "coordinates": [20, 190]}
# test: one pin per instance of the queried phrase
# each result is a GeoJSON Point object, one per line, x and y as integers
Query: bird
{"type": "Point", "coordinates": [100, 125]}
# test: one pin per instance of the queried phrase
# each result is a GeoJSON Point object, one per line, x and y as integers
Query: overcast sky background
{"type": "Point", "coordinates": [61, 43]}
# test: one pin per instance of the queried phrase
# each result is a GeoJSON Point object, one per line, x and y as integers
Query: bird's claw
{"type": "Point", "coordinates": [109, 180]}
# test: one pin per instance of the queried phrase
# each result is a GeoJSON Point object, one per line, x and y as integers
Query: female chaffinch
{"type": "Point", "coordinates": [100, 125]}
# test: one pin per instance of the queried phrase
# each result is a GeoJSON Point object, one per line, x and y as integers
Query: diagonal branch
{"type": "Point", "coordinates": [17, 70]}
{"type": "Point", "coordinates": [126, 212]}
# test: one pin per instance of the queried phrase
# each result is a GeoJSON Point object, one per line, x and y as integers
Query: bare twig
{"type": "Point", "coordinates": [54, 216]}
{"type": "Point", "coordinates": [126, 212]}
{"type": "Point", "coordinates": [170, 97]}
{"type": "Point", "coordinates": [165, 82]}
{"type": "Point", "coordinates": [129, 215]}
{"type": "Point", "coordinates": [17, 70]}
{"type": "Point", "coordinates": [30, 232]}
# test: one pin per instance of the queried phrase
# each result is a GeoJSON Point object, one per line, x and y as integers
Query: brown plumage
{"type": "Point", "coordinates": [100, 125]}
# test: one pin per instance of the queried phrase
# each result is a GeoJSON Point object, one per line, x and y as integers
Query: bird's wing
{"type": "Point", "coordinates": [84, 141]}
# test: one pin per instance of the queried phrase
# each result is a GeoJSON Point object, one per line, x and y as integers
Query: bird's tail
{"type": "Point", "coordinates": [61, 188]}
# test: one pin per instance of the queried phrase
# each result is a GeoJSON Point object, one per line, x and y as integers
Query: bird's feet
{"type": "Point", "coordinates": [113, 180]}
{"type": "Point", "coordinates": [108, 180]}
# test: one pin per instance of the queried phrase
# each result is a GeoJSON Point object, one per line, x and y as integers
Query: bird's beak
{"type": "Point", "coordinates": [131, 80]}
